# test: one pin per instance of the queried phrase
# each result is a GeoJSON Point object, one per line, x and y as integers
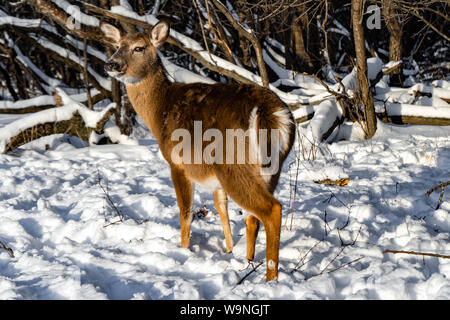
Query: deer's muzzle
{"type": "Point", "coordinates": [114, 67]}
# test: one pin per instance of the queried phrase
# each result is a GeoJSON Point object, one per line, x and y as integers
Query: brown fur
{"type": "Point", "coordinates": [166, 106]}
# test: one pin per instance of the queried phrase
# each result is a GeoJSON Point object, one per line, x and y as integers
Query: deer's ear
{"type": "Point", "coordinates": [160, 32]}
{"type": "Point", "coordinates": [111, 33]}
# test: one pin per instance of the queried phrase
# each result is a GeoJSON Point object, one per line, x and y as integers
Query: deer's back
{"type": "Point", "coordinates": [219, 106]}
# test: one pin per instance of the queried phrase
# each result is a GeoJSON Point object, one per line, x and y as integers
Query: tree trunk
{"type": "Point", "coordinates": [300, 53]}
{"type": "Point", "coordinates": [369, 118]}
{"type": "Point", "coordinates": [296, 54]}
{"type": "Point", "coordinates": [395, 38]}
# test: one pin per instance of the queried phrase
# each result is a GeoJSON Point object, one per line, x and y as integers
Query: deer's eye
{"type": "Point", "coordinates": [139, 49]}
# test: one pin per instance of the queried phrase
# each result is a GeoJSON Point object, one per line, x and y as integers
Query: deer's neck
{"type": "Point", "coordinates": [148, 98]}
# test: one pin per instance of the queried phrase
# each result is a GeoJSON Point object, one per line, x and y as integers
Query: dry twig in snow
{"type": "Point", "coordinates": [442, 186]}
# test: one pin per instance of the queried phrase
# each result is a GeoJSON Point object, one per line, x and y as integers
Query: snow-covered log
{"type": "Point", "coordinates": [72, 118]}
{"type": "Point", "coordinates": [327, 116]}
{"type": "Point", "coordinates": [422, 89]}
{"type": "Point", "coordinates": [412, 114]}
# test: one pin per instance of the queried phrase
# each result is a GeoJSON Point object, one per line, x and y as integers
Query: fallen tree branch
{"type": "Point", "coordinates": [69, 58]}
{"type": "Point", "coordinates": [401, 113]}
{"type": "Point", "coordinates": [341, 182]}
{"type": "Point", "coordinates": [417, 253]}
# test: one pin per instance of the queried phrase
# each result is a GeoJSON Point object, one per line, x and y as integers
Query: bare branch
{"type": "Point", "coordinates": [249, 35]}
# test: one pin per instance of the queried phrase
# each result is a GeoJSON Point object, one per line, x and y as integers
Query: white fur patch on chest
{"type": "Point", "coordinates": [209, 184]}
{"type": "Point", "coordinates": [130, 80]}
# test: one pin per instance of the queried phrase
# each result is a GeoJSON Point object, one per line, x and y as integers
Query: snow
{"type": "Point", "coordinates": [374, 66]}
{"type": "Point", "coordinates": [281, 72]}
{"type": "Point", "coordinates": [275, 44]}
{"type": "Point", "coordinates": [343, 30]}
{"type": "Point", "coordinates": [68, 241]}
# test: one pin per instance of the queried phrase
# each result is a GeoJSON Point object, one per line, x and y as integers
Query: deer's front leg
{"type": "Point", "coordinates": [183, 189]}
{"type": "Point", "coordinates": [221, 203]}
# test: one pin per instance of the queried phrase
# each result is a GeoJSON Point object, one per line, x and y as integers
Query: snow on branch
{"type": "Point", "coordinates": [18, 22]}
{"type": "Point", "coordinates": [105, 83]}
{"type": "Point", "coordinates": [42, 102]}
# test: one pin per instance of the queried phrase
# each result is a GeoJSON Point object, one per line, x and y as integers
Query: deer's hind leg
{"type": "Point", "coordinates": [252, 223]}
{"type": "Point", "coordinates": [221, 204]}
{"type": "Point", "coordinates": [251, 193]}
{"type": "Point", "coordinates": [252, 227]}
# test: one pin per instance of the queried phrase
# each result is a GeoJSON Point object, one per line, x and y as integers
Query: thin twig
{"type": "Point", "coordinates": [119, 214]}
{"type": "Point", "coordinates": [326, 223]}
{"type": "Point", "coordinates": [302, 262]}
{"type": "Point", "coordinates": [85, 75]}
{"type": "Point", "coordinates": [203, 31]}
{"type": "Point", "coordinates": [9, 250]}
{"type": "Point", "coordinates": [253, 270]}
{"type": "Point", "coordinates": [351, 243]}
{"type": "Point", "coordinates": [295, 193]}
{"type": "Point", "coordinates": [218, 34]}
{"type": "Point", "coordinates": [326, 267]}
{"type": "Point", "coordinates": [344, 265]}
{"type": "Point", "coordinates": [441, 185]}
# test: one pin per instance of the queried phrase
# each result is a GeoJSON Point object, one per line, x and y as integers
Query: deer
{"type": "Point", "coordinates": [165, 106]}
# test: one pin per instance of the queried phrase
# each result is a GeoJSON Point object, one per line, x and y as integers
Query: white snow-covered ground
{"type": "Point", "coordinates": [68, 242]}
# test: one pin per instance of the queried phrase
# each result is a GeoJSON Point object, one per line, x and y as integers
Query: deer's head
{"type": "Point", "coordinates": [135, 55]}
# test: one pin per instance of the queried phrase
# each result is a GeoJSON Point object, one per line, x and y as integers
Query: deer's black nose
{"type": "Point", "coordinates": [113, 66]}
